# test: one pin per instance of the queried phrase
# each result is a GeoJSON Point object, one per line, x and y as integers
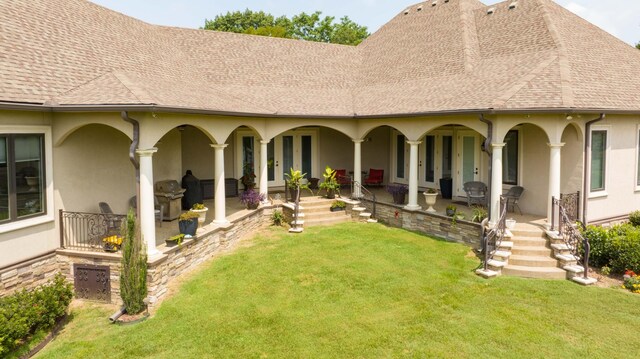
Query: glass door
{"type": "Point", "coordinates": [468, 160]}
{"type": "Point", "coordinates": [427, 163]}
{"type": "Point", "coordinates": [400, 158]}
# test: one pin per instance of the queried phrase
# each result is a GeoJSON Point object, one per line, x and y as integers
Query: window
{"type": "Point", "coordinates": [430, 148]}
{"type": "Point", "coordinates": [22, 176]}
{"type": "Point", "coordinates": [447, 157]}
{"type": "Point", "coordinates": [598, 159]}
{"type": "Point", "coordinates": [510, 158]}
{"type": "Point", "coordinates": [400, 156]}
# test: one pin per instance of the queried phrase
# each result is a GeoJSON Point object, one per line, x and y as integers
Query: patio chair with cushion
{"type": "Point", "coordinates": [158, 208]}
{"type": "Point", "coordinates": [476, 193]}
{"type": "Point", "coordinates": [512, 196]}
{"type": "Point", "coordinates": [375, 177]}
{"type": "Point", "coordinates": [113, 223]}
{"type": "Point", "coordinates": [342, 178]}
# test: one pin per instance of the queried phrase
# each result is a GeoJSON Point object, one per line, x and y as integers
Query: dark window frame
{"type": "Point", "coordinates": [517, 157]}
{"type": "Point", "coordinates": [604, 161]}
{"type": "Point", "coordinates": [12, 191]}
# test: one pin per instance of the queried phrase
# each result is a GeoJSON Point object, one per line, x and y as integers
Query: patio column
{"type": "Point", "coordinates": [496, 182]}
{"type": "Point", "coordinates": [357, 167]}
{"type": "Point", "coordinates": [264, 168]}
{"type": "Point", "coordinates": [220, 201]}
{"type": "Point", "coordinates": [413, 176]}
{"type": "Point", "coordinates": [554, 176]}
{"type": "Point", "coordinates": [147, 202]}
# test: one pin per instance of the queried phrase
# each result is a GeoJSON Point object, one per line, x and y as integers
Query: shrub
{"type": "Point", "coordinates": [632, 281]}
{"type": "Point", "coordinates": [479, 214]}
{"type": "Point", "coordinates": [277, 218]}
{"type": "Point", "coordinates": [24, 313]}
{"type": "Point", "coordinates": [133, 278]}
{"type": "Point", "coordinates": [634, 218]}
{"type": "Point", "coordinates": [617, 247]}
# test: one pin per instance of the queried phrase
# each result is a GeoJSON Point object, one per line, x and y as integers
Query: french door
{"type": "Point", "coordinates": [436, 158]}
{"type": "Point", "coordinates": [468, 168]}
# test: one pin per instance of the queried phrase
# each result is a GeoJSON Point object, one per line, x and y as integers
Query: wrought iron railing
{"type": "Point", "coordinates": [491, 238]}
{"type": "Point", "coordinates": [358, 191]}
{"type": "Point", "coordinates": [577, 244]}
{"type": "Point", "coordinates": [85, 231]}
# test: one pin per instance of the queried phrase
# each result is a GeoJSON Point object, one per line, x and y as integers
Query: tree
{"type": "Point", "coordinates": [638, 46]}
{"type": "Point", "coordinates": [310, 27]}
{"type": "Point", "coordinates": [133, 272]}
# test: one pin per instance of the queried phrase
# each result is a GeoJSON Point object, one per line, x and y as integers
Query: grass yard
{"type": "Point", "coordinates": [364, 291]}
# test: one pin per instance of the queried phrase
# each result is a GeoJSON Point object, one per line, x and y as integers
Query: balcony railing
{"type": "Point", "coordinates": [85, 231]}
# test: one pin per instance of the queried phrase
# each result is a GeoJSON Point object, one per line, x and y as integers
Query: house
{"type": "Point", "coordinates": [553, 98]}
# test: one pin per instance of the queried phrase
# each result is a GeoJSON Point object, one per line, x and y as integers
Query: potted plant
{"type": "Point", "coordinates": [451, 210]}
{"type": "Point", "coordinates": [479, 214]}
{"type": "Point", "coordinates": [398, 191]}
{"type": "Point", "coordinates": [112, 243]}
{"type": "Point", "coordinates": [294, 180]}
{"type": "Point", "coordinates": [510, 223]}
{"type": "Point", "coordinates": [201, 210]}
{"type": "Point", "coordinates": [338, 206]}
{"type": "Point", "coordinates": [248, 178]}
{"type": "Point", "coordinates": [430, 196]}
{"type": "Point", "coordinates": [251, 198]}
{"type": "Point", "coordinates": [177, 239]}
{"type": "Point", "coordinates": [188, 223]}
{"type": "Point", "coordinates": [330, 183]}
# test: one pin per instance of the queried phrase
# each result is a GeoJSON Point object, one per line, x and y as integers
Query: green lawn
{"type": "Point", "coordinates": [364, 291]}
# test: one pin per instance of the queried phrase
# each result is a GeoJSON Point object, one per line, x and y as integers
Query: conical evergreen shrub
{"type": "Point", "coordinates": [133, 275]}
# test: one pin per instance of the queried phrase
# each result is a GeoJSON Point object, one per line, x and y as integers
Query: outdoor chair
{"type": "Point", "coordinates": [375, 177]}
{"type": "Point", "coordinates": [159, 208]}
{"type": "Point", "coordinates": [113, 222]}
{"type": "Point", "coordinates": [512, 196]}
{"type": "Point", "coordinates": [476, 193]}
{"type": "Point", "coordinates": [342, 178]}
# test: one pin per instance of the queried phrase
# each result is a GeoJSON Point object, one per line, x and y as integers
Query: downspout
{"type": "Point", "coordinates": [132, 155]}
{"type": "Point", "coordinates": [586, 185]}
{"type": "Point", "coordinates": [486, 147]}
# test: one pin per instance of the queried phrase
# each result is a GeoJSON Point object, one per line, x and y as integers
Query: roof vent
{"type": "Point", "coordinates": [446, 1]}
{"type": "Point", "coordinates": [406, 12]}
{"type": "Point", "coordinates": [513, 5]}
{"type": "Point", "coordinates": [434, 3]}
{"type": "Point", "coordinates": [419, 8]}
{"type": "Point", "coordinates": [491, 10]}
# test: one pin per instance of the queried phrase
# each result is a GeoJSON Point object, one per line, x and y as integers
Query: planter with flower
{"type": "Point", "coordinates": [451, 210]}
{"type": "Point", "coordinates": [338, 206]}
{"type": "Point", "coordinates": [330, 183]}
{"type": "Point", "coordinates": [632, 281]}
{"type": "Point", "coordinates": [112, 244]}
{"type": "Point", "coordinates": [175, 240]}
{"type": "Point", "coordinates": [201, 210]}
{"type": "Point", "coordinates": [251, 198]}
{"type": "Point", "coordinates": [398, 191]}
{"type": "Point", "coordinates": [430, 196]}
{"type": "Point", "coordinates": [188, 223]}
{"type": "Point", "coordinates": [294, 180]}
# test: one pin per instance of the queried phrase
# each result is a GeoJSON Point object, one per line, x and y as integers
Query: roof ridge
{"type": "Point", "coordinates": [470, 43]}
{"type": "Point", "coordinates": [127, 85]}
{"type": "Point", "coordinates": [54, 98]}
{"type": "Point", "coordinates": [563, 57]}
{"type": "Point", "coordinates": [523, 81]}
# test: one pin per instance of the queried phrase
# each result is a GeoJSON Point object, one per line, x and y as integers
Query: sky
{"type": "Point", "coordinates": [621, 18]}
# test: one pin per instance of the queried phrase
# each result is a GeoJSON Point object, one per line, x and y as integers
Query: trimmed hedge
{"type": "Point", "coordinates": [617, 247]}
{"type": "Point", "coordinates": [23, 313]}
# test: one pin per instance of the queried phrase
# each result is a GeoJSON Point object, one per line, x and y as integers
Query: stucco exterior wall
{"type": "Point", "coordinates": [572, 160]}
{"type": "Point", "coordinates": [376, 151]}
{"type": "Point", "coordinates": [197, 153]}
{"type": "Point", "coordinates": [336, 150]}
{"type": "Point", "coordinates": [535, 170]}
{"type": "Point", "coordinates": [167, 162]}
{"type": "Point", "coordinates": [621, 194]}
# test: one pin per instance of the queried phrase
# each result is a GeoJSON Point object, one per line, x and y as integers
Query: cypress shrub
{"type": "Point", "coordinates": [133, 276]}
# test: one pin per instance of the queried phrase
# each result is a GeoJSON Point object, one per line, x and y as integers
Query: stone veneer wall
{"type": "Point", "coordinates": [437, 225]}
{"type": "Point", "coordinates": [172, 263]}
{"type": "Point", "coordinates": [28, 274]}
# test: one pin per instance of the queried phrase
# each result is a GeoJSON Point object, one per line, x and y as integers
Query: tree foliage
{"type": "Point", "coordinates": [133, 276]}
{"type": "Point", "coordinates": [638, 46]}
{"type": "Point", "coordinates": [310, 27]}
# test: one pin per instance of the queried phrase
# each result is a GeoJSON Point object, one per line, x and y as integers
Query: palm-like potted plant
{"type": "Point", "coordinates": [188, 223]}
{"type": "Point", "coordinates": [330, 183]}
{"type": "Point", "coordinates": [398, 191]}
{"type": "Point", "coordinates": [337, 206]}
{"type": "Point", "coordinates": [294, 180]}
{"type": "Point", "coordinates": [430, 196]}
{"type": "Point", "coordinates": [251, 198]}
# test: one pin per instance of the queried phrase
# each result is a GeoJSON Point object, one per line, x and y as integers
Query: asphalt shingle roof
{"type": "Point", "coordinates": [453, 56]}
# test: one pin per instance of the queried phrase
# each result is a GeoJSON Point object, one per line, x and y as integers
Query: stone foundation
{"type": "Point", "coordinates": [432, 224]}
{"type": "Point", "coordinates": [28, 274]}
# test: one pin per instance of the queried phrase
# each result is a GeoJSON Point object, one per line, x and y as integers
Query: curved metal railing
{"type": "Point", "coordinates": [358, 191]}
{"type": "Point", "coordinates": [578, 245]}
{"type": "Point", "coordinates": [492, 238]}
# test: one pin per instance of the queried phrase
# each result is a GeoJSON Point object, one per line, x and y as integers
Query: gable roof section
{"type": "Point", "coordinates": [453, 56]}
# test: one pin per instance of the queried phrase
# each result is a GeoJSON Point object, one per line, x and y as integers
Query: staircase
{"type": "Point", "coordinates": [315, 211]}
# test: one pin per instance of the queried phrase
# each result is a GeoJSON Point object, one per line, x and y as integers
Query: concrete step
{"type": "Point", "coordinates": [534, 272]}
{"type": "Point", "coordinates": [528, 242]}
{"type": "Point", "coordinates": [371, 220]}
{"type": "Point", "coordinates": [583, 281]}
{"type": "Point", "coordinates": [533, 261]}
{"type": "Point", "coordinates": [487, 273]}
{"type": "Point", "coordinates": [531, 233]}
{"type": "Point", "coordinates": [496, 265]}
{"type": "Point", "coordinates": [502, 255]}
{"type": "Point", "coordinates": [531, 251]}
{"type": "Point", "coordinates": [505, 245]}
{"type": "Point", "coordinates": [296, 230]}
{"type": "Point", "coordinates": [298, 222]}
{"type": "Point", "coordinates": [560, 248]}
{"type": "Point", "coordinates": [327, 214]}
{"type": "Point", "coordinates": [573, 270]}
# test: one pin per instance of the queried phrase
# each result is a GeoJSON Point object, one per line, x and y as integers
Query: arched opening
{"type": "Point", "coordinates": [571, 177]}
{"type": "Point", "coordinates": [92, 166]}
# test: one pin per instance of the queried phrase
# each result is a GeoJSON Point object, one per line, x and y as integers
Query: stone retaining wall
{"type": "Point", "coordinates": [29, 274]}
{"type": "Point", "coordinates": [437, 225]}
